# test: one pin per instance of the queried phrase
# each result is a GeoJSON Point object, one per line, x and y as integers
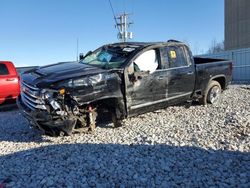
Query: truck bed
{"type": "Point", "coordinates": [208, 68]}
{"type": "Point", "coordinates": [201, 60]}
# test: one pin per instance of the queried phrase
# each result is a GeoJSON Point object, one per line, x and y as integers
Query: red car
{"type": "Point", "coordinates": [9, 81]}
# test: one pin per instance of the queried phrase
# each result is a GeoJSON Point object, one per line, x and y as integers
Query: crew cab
{"type": "Point", "coordinates": [122, 79]}
{"type": "Point", "coordinates": [9, 82]}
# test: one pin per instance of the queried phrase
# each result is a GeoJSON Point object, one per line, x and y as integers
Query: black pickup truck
{"type": "Point", "coordinates": [121, 79]}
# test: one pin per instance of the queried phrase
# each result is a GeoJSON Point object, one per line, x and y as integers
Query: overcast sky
{"type": "Point", "coordinates": [39, 32]}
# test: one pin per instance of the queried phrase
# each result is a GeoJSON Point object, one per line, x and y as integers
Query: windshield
{"type": "Point", "coordinates": [108, 57]}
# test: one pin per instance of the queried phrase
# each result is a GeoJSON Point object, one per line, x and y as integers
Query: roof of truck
{"type": "Point", "coordinates": [145, 44]}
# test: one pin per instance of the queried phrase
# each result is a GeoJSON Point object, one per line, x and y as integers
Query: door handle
{"type": "Point", "coordinates": [160, 77]}
{"type": "Point", "coordinates": [10, 79]}
{"type": "Point", "coordinates": [190, 73]}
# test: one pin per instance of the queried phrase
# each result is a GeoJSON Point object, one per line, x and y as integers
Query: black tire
{"type": "Point", "coordinates": [116, 122]}
{"type": "Point", "coordinates": [211, 94]}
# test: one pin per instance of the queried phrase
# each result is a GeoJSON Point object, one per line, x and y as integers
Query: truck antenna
{"type": "Point", "coordinates": [77, 46]}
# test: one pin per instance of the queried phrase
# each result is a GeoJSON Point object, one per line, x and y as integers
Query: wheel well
{"type": "Point", "coordinates": [113, 104]}
{"type": "Point", "coordinates": [222, 82]}
{"type": "Point", "coordinates": [109, 102]}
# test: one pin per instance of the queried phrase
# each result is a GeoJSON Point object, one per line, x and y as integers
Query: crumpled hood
{"type": "Point", "coordinates": [57, 72]}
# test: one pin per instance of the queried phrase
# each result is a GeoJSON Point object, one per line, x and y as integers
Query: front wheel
{"type": "Point", "coordinates": [212, 93]}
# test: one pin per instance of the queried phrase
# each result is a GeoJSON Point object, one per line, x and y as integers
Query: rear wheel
{"type": "Point", "coordinates": [212, 93]}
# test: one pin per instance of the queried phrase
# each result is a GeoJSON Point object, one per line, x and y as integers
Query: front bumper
{"type": "Point", "coordinates": [40, 118]}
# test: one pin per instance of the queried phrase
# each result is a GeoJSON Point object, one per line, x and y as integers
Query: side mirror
{"type": "Point", "coordinates": [81, 56]}
{"type": "Point", "coordinates": [89, 52]}
{"type": "Point", "coordinates": [132, 78]}
{"type": "Point", "coordinates": [138, 76]}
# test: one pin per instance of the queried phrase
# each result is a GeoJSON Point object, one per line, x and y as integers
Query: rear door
{"type": "Point", "coordinates": [180, 70]}
{"type": "Point", "coordinates": [9, 83]}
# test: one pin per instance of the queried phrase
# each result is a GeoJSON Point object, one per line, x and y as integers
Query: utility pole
{"type": "Point", "coordinates": [122, 23]}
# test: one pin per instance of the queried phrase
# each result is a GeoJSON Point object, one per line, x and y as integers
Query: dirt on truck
{"type": "Point", "coordinates": [121, 79]}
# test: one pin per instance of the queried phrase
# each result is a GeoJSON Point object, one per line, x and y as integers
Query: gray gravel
{"type": "Point", "coordinates": [203, 146]}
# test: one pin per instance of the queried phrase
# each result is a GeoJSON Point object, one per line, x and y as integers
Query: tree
{"type": "Point", "coordinates": [216, 47]}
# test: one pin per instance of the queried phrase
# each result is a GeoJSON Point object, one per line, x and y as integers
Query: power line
{"type": "Point", "coordinates": [114, 15]}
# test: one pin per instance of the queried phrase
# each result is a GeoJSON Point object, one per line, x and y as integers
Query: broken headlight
{"type": "Point", "coordinates": [85, 81]}
{"type": "Point", "coordinates": [48, 96]}
{"type": "Point", "coordinates": [77, 82]}
{"type": "Point", "coordinates": [96, 78]}
{"type": "Point", "coordinates": [45, 94]}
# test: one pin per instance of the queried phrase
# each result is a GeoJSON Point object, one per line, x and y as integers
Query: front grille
{"type": "Point", "coordinates": [31, 97]}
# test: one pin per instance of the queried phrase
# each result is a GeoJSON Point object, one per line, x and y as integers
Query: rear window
{"type": "Point", "coordinates": [173, 57]}
{"type": "Point", "coordinates": [3, 69]}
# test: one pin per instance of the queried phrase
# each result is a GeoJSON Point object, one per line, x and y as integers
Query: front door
{"type": "Point", "coordinates": [146, 83]}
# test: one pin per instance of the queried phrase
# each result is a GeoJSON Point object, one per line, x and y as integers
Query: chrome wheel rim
{"type": "Point", "coordinates": [214, 94]}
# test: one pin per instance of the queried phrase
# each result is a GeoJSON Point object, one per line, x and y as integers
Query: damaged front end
{"type": "Point", "coordinates": [55, 112]}
{"type": "Point", "coordinates": [70, 105]}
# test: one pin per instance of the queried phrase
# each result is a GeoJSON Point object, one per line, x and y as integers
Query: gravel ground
{"type": "Point", "coordinates": [203, 146]}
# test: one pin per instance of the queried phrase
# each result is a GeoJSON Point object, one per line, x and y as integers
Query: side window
{"type": "Point", "coordinates": [148, 61]}
{"type": "Point", "coordinates": [173, 57]}
{"type": "Point", "coordinates": [3, 69]}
